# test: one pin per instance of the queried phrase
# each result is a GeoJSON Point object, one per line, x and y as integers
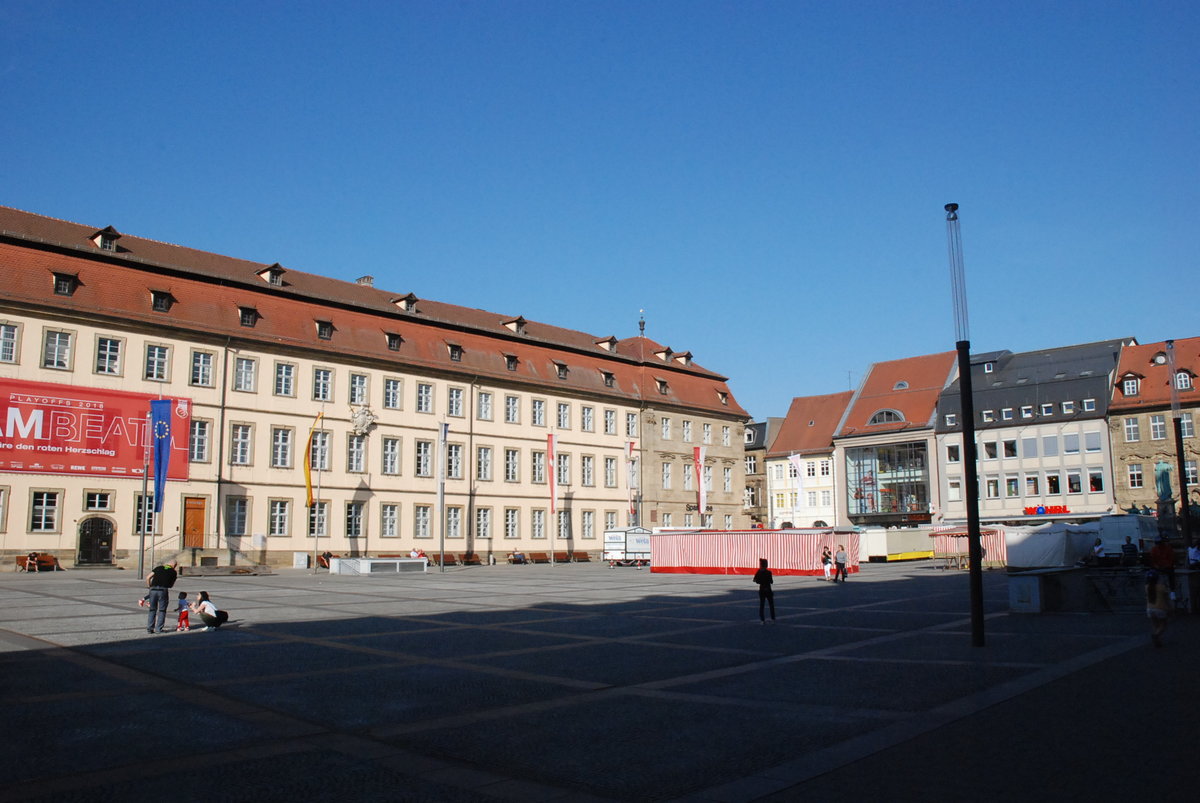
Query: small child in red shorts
{"type": "Point", "coordinates": [182, 607]}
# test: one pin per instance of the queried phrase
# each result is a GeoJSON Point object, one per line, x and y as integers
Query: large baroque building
{"type": "Point", "coordinates": [545, 436]}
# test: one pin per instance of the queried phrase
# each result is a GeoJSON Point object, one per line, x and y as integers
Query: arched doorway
{"type": "Point", "coordinates": [95, 541]}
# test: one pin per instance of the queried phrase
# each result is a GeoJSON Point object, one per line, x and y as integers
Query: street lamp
{"type": "Point", "coordinates": [958, 291]}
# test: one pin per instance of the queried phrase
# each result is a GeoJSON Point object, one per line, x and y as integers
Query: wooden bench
{"type": "Point", "coordinates": [581, 557]}
{"type": "Point", "coordinates": [538, 557]}
{"type": "Point", "coordinates": [469, 559]}
{"type": "Point", "coordinates": [562, 557]}
{"type": "Point", "coordinates": [450, 560]}
{"type": "Point", "coordinates": [45, 563]}
{"type": "Point", "coordinates": [512, 558]}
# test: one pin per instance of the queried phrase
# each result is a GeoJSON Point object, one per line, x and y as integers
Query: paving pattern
{"type": "Point", "coordinates": [569, 682]}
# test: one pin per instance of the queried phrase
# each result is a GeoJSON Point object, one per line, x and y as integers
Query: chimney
{"type": "Point", "coordinates": [365, 281]}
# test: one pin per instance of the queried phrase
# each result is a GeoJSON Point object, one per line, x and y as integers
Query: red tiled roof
{"type": "Point", "coordinates": [1155, 387]}
{"type": "Point", "coordinates": [209, 289]}
{"type": "Point", "coordinates": [924, 379]}
{"type": "Point", "coordinates": [809, 425]}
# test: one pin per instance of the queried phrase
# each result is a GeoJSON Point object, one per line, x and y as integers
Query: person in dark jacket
{"type": "Point", "coordinates": [159, 581]}
{"type": "Point", "coordinates": [766, 594]}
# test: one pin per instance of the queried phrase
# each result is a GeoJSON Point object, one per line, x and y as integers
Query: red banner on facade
{"type": "Point", "coordinates": [64, 429]}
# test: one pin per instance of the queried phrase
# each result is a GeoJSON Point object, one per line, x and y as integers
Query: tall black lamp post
{"type": "Point", "coordinates": [958, 288]}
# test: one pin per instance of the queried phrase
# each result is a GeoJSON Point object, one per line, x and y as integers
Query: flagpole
{"type": "Point", "coordinates": [142, 512]}
{"type": "Point", "coordinates": [443, 432]}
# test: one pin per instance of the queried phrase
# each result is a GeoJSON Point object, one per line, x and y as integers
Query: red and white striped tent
{"type": "Point", "coordinates": [952, 542]}
{"type": "Point", "coordinates": [738, 551]}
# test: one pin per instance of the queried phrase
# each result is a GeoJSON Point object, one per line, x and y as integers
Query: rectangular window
{"type": "Point", "coordinates": [993, 487]}
{"type": "Point", "coordinates": [483, 406]}
{"type": "Point", "coordinates": [1189, 471]}
{"type": "Point", "coordinates": [826, 498]}
{"type": "Point", "coordinates": [43, 512]}
{"type": "Point", "coordinates": [320, 451]}
{"type": "Point", "coordinates": [1133, 431]}
{"type": "Point", "coordinates": [512, 522]}
{"type": "Point", "coordinates": [1185, 425]}
{"type": "Point", "coordinates": [391, 456]}
{"type": "Point", "coordinates": [8, 342]}
{"type": "Point", "coordinates": [1027, 411]}
{"type": "Point", "coordinates": [666, 476]}
{"type": "Point", "coordinates": [454, 461]}
{"type": "Point", "coordinates": [512, 465]}
{"type": "Point", "coordinates": [1091, 441]}
{"type": "Point", "coordinates": [424, 397]}
{"type": "Point", "coordinates": [1050, 446]}
{"type": "Point", "coordinates": [237, 515]}
{"type": "Point", "coordinates": [1134, 471]}
{"type": "Point", "coordinates": [563, 468]}
{"type": "Point", "coordinates": [564, 524]}
{"type": "Point", "coordinates": [454, 402]}
{"type": "Point", "coordinates": [483, 463]}
{"type": "Point", "coordinates": [424, 458]}
{"type": "Point", "coordinates": [954, 490]}
{"type": "Point", "coordinates": [1012, 486]}
{"type": "Point", "coordinates": [726, 435]}
{"type": "Point", "coordinates": [356, 453]}
{"type": "Point", "coordinates": [610, 520]}
{"type": "Point", "coordinates": [1047, 409]}
{"type": "Point", "coordinates": [1010, 447]}
{"type": "Point", "coordinates": [389, 520]}
{"type": "Point", "coordinates": [587, 470]}
{"type": "Point", "coordinates": [512, 410]}
{"type": "Point", "coordinates": [727, 480]}
{"type": "Point", "coordinates": [156, 363]}
{"type": "Point", "coordinates": [538, 413]}
{"type": "Point", "coordinates": [422, 516]}
{"type": "Point", "coordinates": [1006, 414]}
{"type": "Point", "coordinates": [687, 431]}
{"type": "Point", "coordinates": [751, 464]}
{"type": "Point", "coordinates": [1071, 443]}
{"type": "Point", "coordinates": [587, 419]}
{"type": "Point", "coordinates": [278, 517]}
{"type": "Point", "coordinates": [587, 524]}
{"type": "Point", "coordinates": [198, 440]}
{"type": "Point", "coordinates": [1074, 482]}
{"type": "Point", "coordinates": [538, 524]}
{"type": "Point", "coordinates": [1129, 387]}
{"type": "Point", "coordinates": [706, 433]}
{"type": "Point", "coordinates": [1095, 480]}
{"type": "Point", "coordinates": [1033, 485]}
{"type": "Point", "coordinates": [953, 453]}
{"type": "Point", "coordinates": [392, 394]}
{"type": "Point", "coordinates": [1158, 427]}
{"type": "Point", "coordinates": [97, 500]}
{"type": "Point", "coordinates": [564, 416]}
{"type": "Point", "coordinates": [538, 467]}
{"type": "Point", "coordinates": [631, 428]}
{"type": "Point", "coordinates": [322, 384]}
{"type": "Point", "coordinates": [354, 519]}
{"type": "Point", "coordinates": [143, 519]}
{"type": "Point", "coordinates": [483, 522]}
{"type": "Point", "coordinates": [108, 356]}
{"type": "Point", "coordinates": [1089, 405]}
{"type": "Point", "coordinates": [1068, 408]}
{"type": "Point", "coordinates": [610, 422]}
{"type": "Point", "coordinates": [951, 419]}
{"type": "Point", "coordinates": [56, 350]}
{"type": "Point", "coordinates": [989, 450]}
{"type": "Point", "coordinates": [281, 447]}
{"type": "Point", "coordinates": [988, 416]}
{"type": "Point", "coordinates": [454, 522]}
{"type": "Point", "coordinates": [1029, 447]}
{"type": "Point", "coordinates": [285, 379]}
{"type": "Point", "coordinates": [666, 428]}
{"type": "Point", "coordinates": [245, 375]}
{"type": "Point", "coordinates": [610, 472]}
{"type": "Point", "coordinates": [358, 388]}
{"type": "Point", "coordinates": [239, 444]}
{"type": "Point", "coordinates": [318, 520]}
{"type": "Point", "coordinates": [202, 365]}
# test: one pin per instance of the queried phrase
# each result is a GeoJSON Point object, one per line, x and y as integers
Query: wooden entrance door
{"type": "Point", "coordinates": [95, 541]}
{"type": "Point", "coordinates": [195, 512]}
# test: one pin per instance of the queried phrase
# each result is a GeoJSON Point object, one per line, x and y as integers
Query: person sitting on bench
{"type": "Point", "coordinates": [31, 562]}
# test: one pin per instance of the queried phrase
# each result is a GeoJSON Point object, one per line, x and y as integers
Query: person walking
{"type": "Point", "coordinates": [826, 562]}
{"type": "Point", "coordinates": [160, 581]}
{"type": "Point", "coordinates": [839, 560]}
{"type": "Point", "coordinates": [766, 593]}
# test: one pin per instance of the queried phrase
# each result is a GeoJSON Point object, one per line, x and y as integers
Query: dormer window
{"type": "Point", "coordinates": [510, 362]}
{"type": "Point", "coordinates": [1183, 380]}
{"type": "Point", "coordinates": [723, 397]}
{"type": "Point", "coordinates": [988, 416]}
{"type": "Point", "coordinates": [684, 358]}
{"type": "Point", "coordinates": [517, 325]}
{"type": "Point", "coordinates": [951, 419]}
{"type": "Point", "coordinates": [664, 355]}
{"type": "Point", "coordinates": [161, 301]}
{"type": "Point", "coordinates": [248, 316]}
{"type": "Point", "coordinates": [393, 341]}
{"type": "Point", "coordinates": [608, 344]}
{"type": "Point", "coordinates": [988, 367]}
{"type": "Point", "coordinates": [901, 385]}
{"type": "Point", "coordinates": [663, 387]}
{"type": "Point", "coordinates": [1068, 407]}
{"type": "Point", "coordinates": [885, 417]}
{"type": "Point", "coordinates": [455, 351]}
{"type": "Point", "coordinates": [1089, 405]}
{"type": "Point", "coordinates": [273, 274]}
{"type": "Point", "coordinates": [65, 284]}
{"type": "Point", "coordinates": [106, 239]}
{"type": "Point", "coordinates": [1129, 386]}
{"type": "Point", "coordinates": [325, 330]}
{"type": "Point", "coordinates": [609, 379]}
{"type": "Point", "coordinates": [406, 304]}
{"type": "Point", "coordinates": [560, 368]}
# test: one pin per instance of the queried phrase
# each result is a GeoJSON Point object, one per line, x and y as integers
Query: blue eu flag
{"type": "Point", "coordinates": [160, 431]}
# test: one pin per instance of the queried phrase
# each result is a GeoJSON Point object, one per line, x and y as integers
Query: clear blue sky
{"type": "Point", "coordinates": [764, 179]}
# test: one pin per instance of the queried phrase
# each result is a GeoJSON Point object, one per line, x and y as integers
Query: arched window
{"type": "Point", "coordinates": [886, 417]}
{"type": "Point", "coordinates": [1183, 380]}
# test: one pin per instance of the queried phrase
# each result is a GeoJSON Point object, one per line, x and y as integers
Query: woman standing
{"type": "Point", "coordinates": [766, 594]}
{"type": "Point", "coordinates": [209, 614]}
{"type": "Point", "coordinates": [826, 562]}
